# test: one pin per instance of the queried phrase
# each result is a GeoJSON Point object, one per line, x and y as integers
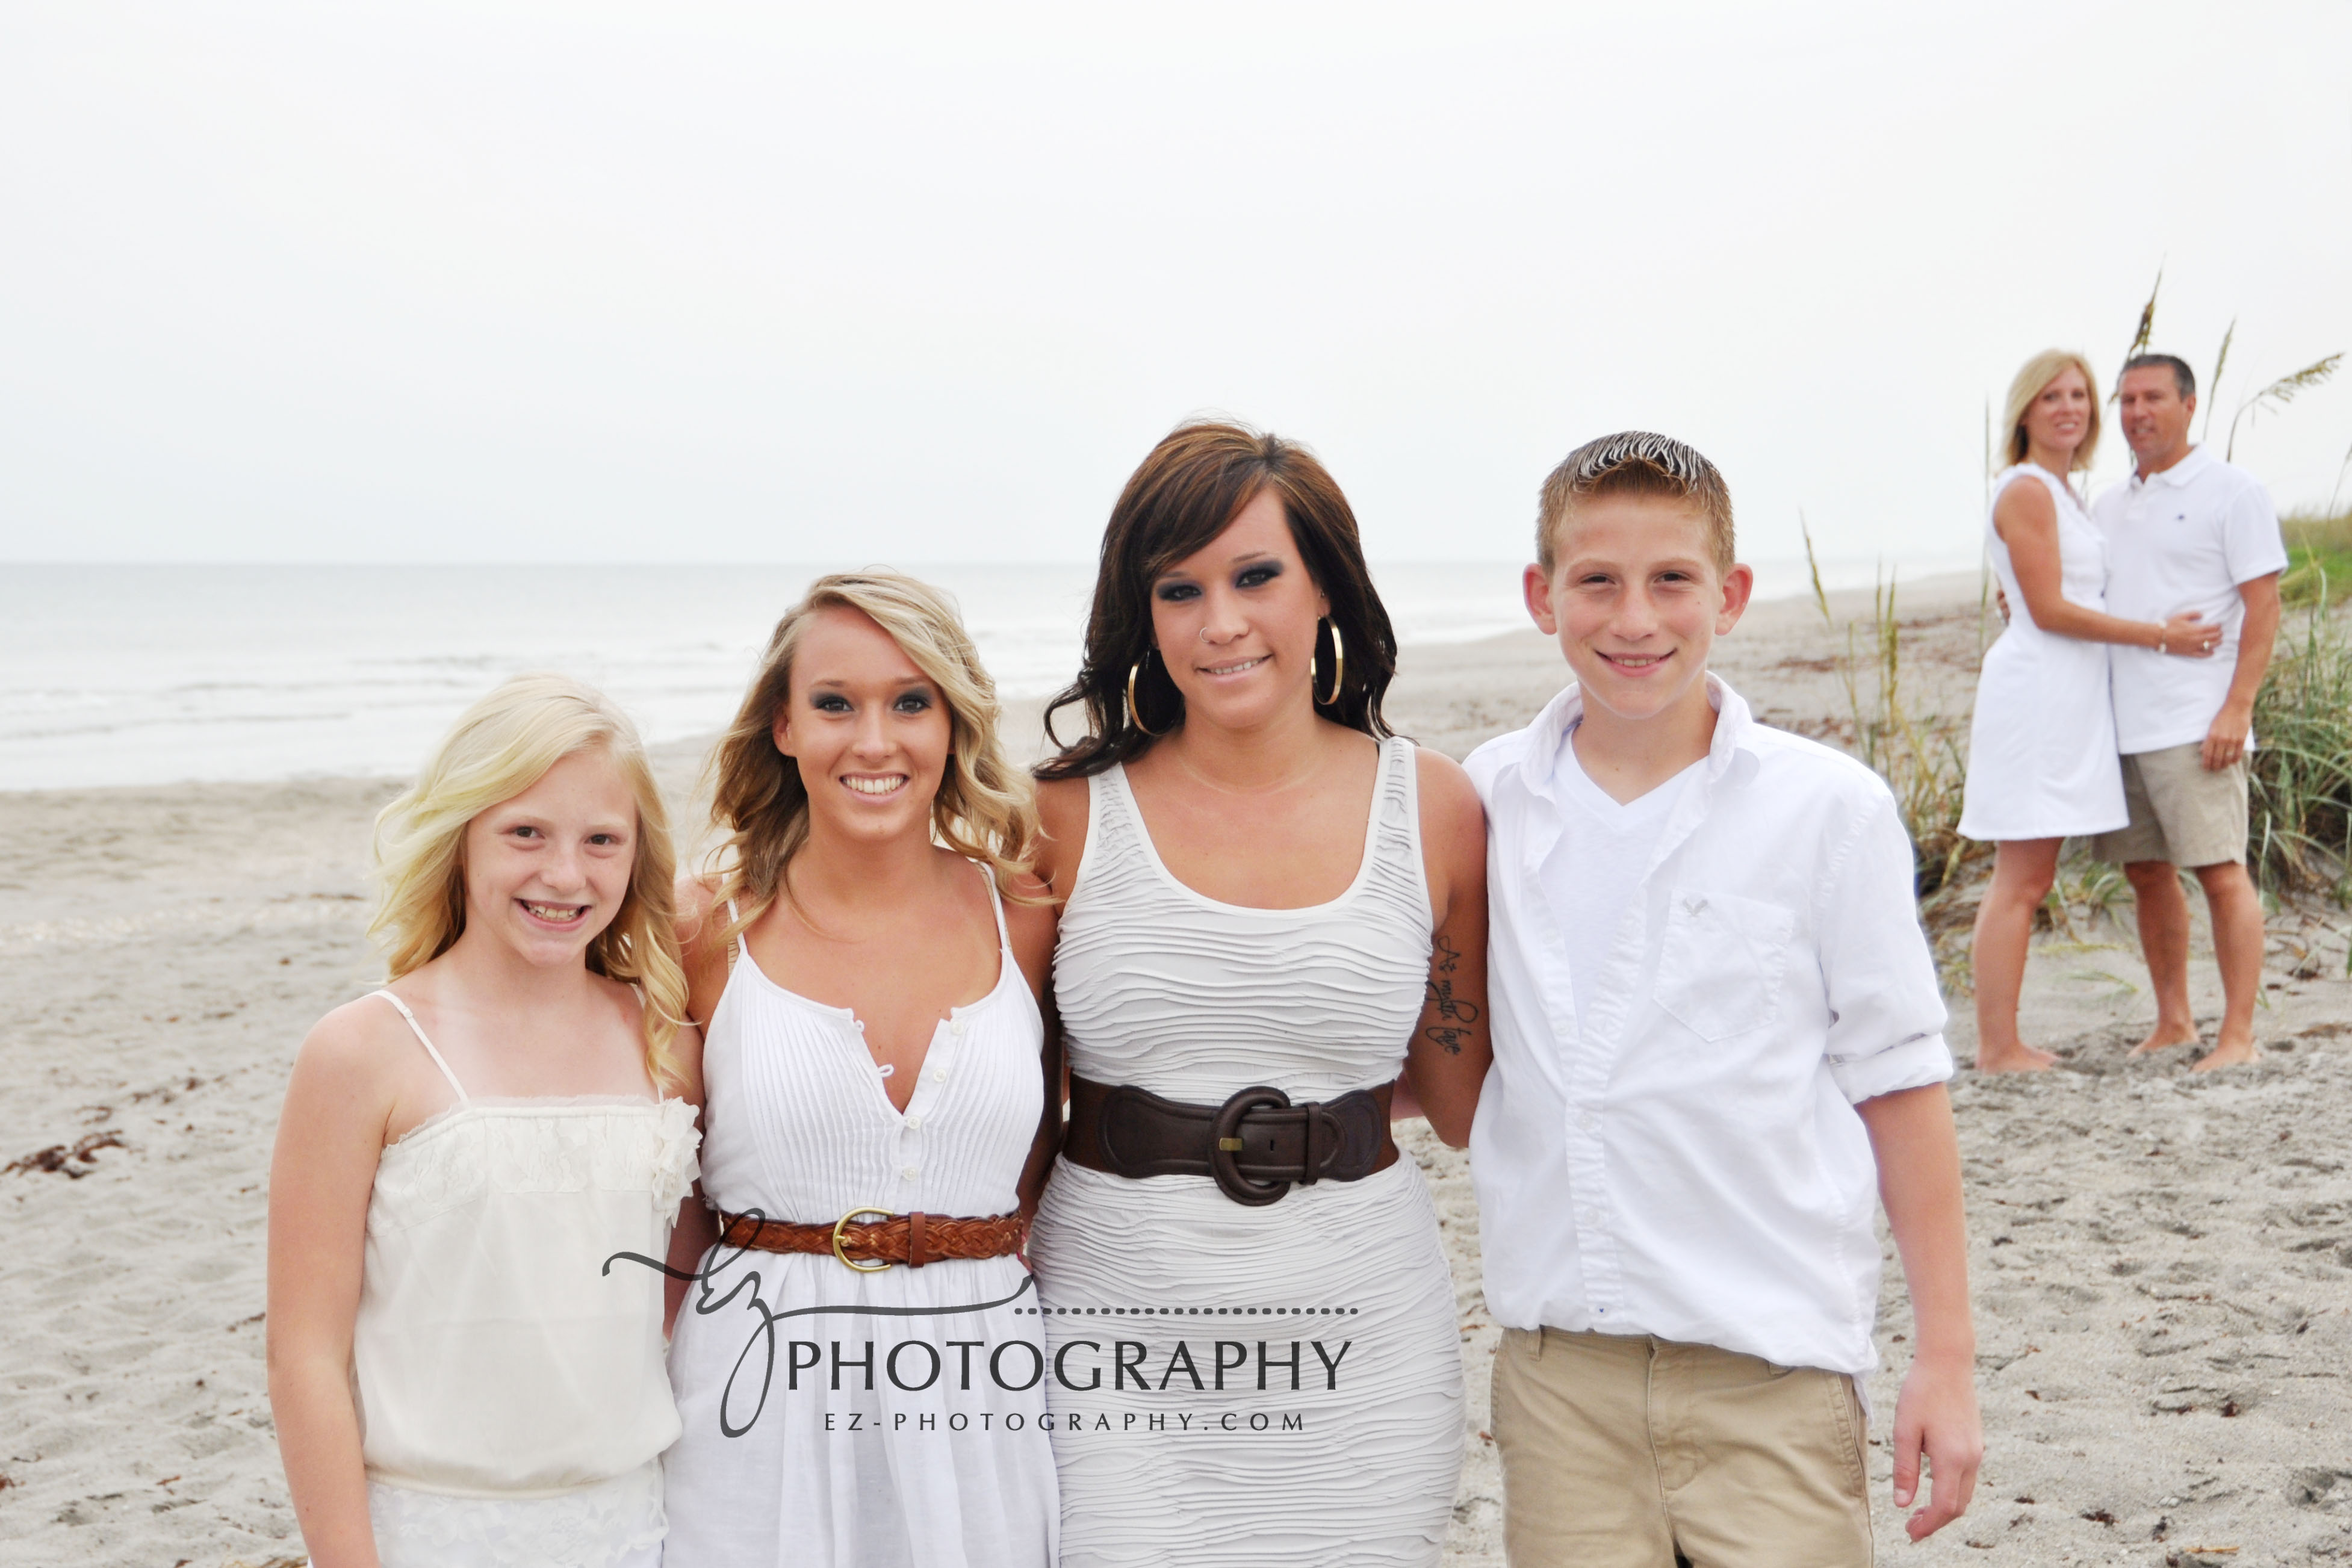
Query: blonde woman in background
{"type": "Point", "coordinates": [2043, 765]}
{"type": "Point", "coordinates": [858, 1367]}
{"type": "Point", "coordinates": [458, 1380]}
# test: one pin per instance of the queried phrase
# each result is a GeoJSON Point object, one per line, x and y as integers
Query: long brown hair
{"type": "Point", "coordinates": [985, 809]}
{"type": "Point", "coordinates": [1181, 499]}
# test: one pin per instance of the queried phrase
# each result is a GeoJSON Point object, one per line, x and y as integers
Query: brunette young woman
{"type": "Point", "coordinates": [2043, 765]}
{"type": "Point", "coordinates": [855, 1362]}
{"type": "Point", "coordinates": [1274, 928]}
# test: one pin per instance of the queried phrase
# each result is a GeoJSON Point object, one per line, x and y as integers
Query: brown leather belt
{"type": "Point", "coordinates": [1255, 1144]}
{"type": "Point", "coordinates": [913, 1239]}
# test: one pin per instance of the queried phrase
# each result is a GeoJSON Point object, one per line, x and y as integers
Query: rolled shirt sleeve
{"type": "Point", "coordinates": [1886, 1011]}
{"type": "Point", "coordinates": [2251, 540]}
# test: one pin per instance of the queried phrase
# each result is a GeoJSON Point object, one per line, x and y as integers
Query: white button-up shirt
{"type": "Point", "coordinates": [1689, 1164]}
{"type": "Point", "coordinates": [2179, 540]}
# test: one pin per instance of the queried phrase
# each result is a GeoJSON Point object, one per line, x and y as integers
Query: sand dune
{"type": "Point", "coordinates": [2163, 1263]}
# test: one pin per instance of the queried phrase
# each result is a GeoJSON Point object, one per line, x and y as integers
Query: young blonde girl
{"type": "Point", "coordinates": [860, 1373]}
{"type": "Point", "coordinates": [459, 1378]}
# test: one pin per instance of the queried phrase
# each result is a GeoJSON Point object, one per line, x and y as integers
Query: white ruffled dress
{"type": "Point", "coordinates": [2041, 744]}
{"type": "Point", "coordinates": [513, 1402]}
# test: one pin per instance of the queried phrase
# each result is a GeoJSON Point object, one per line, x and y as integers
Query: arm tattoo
{"type": "Point", "coordinates": [1455, 1017]}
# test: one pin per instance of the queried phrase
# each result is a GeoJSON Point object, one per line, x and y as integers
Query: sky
{"type": "Point", "coordinates": [587, 282]}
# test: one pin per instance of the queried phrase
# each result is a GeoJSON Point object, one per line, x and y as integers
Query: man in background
{"type": "Point", "coordinates": [2188, 532]}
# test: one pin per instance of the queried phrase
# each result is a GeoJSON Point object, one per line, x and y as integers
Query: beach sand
{"type": "Point", "coordinates": [2162, 1263]}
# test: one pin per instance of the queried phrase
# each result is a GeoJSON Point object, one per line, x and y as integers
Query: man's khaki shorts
{"type": "Point", "coordinates": [2179, 812]}
{"type": "Point", "coordinates": [1624, 1450]}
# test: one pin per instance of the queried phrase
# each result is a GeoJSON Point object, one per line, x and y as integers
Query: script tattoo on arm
{"type": "Point", "coordinates": [1453, 1019]}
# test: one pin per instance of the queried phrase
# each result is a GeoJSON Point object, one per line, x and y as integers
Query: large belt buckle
{"type": "Point", "coordinates": [842, 1224]}
{"type": "Point", "coordinates": [1227, 1142]}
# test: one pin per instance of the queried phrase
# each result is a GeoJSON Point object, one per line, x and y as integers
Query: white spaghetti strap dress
{"type": "Point", "coordinates": [1350, 1456]}
{"type": "Point", "coordinates": [897, 1423]}
{"type": "Point", "coordinates": [512, 1402]}
{"type": "Point", "coordinates": [2041, 745]}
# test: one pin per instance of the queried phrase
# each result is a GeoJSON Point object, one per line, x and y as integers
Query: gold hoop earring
{"type": "Point", "coordinates": [1134, 717]}
{"type": "Point", "coordinates": [1338, 669]}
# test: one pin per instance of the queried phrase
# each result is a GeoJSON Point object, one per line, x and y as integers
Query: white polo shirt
{"type": "Point", "coordinates": [1686, 1161]}
{"type": "Point", "coordinates": [2180, 540]}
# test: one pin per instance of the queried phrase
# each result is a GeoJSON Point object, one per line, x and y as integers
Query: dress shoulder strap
{"type": "Point", "coordinates": [418, 1029]}
{"type": "Point", "coordinates": [734, 943]}
{"type": "Point", "coordinates": [1400, 799]}
{"type": "Point", "coordinates": [1396, 843]}
{"type": "Point", "coordinates": [1115, 831]}
{"type": "Point", "coordinates": [996, 901]}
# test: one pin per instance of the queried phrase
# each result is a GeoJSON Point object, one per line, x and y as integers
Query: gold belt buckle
{"type": "Point", "coordinates": [839, 1225]}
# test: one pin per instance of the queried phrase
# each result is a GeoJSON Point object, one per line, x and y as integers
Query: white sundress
{"type": "Point", "coordinates": [2041, 744]}
{"type": "Point", "coordinates": [1337, 1438]}
{"type": "Point", "coordinates": [512, 1402]}
{"type": "Point", "coordinates": [898, 1426]}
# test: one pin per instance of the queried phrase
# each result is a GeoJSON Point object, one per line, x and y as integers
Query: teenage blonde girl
{"type": "Point", "coordinates": [858, 1367]}
{"type": "Point", "coordinates": [458, 1377]}
{"type": "Point", "coordinates": [2043, 765]}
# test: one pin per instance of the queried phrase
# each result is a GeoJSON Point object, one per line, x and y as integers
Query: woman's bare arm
{"type": "Point", "coordinates": [1447, 1063]}
{"type": "Point", "coordinates": [694, 1230]}
{"type": "Point", "coordinates": [2026, 518]}
{"type": "Point", "coordinates": [330, 1135]}
{"type": "Point", "coordinates": [1032, 927]}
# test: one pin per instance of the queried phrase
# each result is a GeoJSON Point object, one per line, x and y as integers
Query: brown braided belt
{"type": "Point", "coordinates": [869, 1246]}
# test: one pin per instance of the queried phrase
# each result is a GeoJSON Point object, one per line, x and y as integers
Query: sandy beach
{"type": "Point", "coordinates": [2162, 1263]}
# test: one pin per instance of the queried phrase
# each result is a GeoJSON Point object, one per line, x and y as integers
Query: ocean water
{"type": "Point", "coordinates": [147, 674]}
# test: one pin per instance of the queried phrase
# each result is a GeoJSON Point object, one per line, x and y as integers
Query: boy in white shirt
{"type": "Point", "coordinates": [1717, 1028]}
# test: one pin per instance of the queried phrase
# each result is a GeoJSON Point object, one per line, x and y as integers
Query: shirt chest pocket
{"type": "Point", "coordinates": [1721, 966]}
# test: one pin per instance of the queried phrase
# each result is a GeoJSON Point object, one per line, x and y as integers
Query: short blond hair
{"type": "Point", "coordinates": [986, 808]}
{"type": "Point", "coordinates": [1636, 462]}
{"type": "Point", "coordinates": [2037, 375]}
{"type": "Point", "coordinates": [499, 748]}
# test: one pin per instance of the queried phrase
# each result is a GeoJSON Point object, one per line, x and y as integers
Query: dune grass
{"type": "Point", "coordinates": [2299, 839]}
{"type": "Point", "coordinates": [2300, 774]}
{"type": "Point", "coordinates": [1923, 757]}
{"type": "Point", "coordinates": [2319, 558]}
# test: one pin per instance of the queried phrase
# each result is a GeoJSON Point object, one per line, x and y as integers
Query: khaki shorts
{"type": "Point", "coordinates": [2179, 812]}
{"type": "Point", "coordinates": [1625, 1452]}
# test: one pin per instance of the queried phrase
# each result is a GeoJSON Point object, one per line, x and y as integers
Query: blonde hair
{"type": "Point", "coordinates": [1636, 462]}
{"type": "Point", "coordinates": [2038, 373]}
{"type": "Point", "coordinates": [985, 809]}
{"type": "Point", "coordinates": [502, 745]}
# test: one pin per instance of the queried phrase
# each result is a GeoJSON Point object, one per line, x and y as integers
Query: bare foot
{"type": "Point", "coordinates": [2023, 1059]}
{"type": "Point", "coordinates": [2165, 1036]}
{"type": "Point", "coordinates": [2227, 1054]}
